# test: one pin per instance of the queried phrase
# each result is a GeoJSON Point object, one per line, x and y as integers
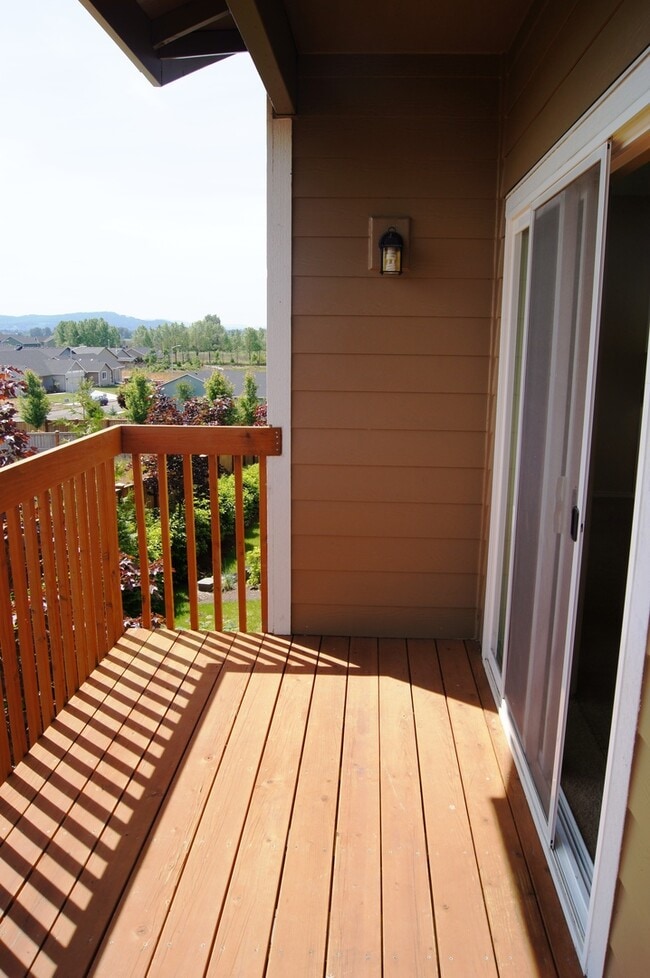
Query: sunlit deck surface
{"type": "Point", "coordinates": [256, 806]}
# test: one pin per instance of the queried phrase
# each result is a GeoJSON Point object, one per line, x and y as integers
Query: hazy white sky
{"type": "Point", "coordinates": [118, 196]}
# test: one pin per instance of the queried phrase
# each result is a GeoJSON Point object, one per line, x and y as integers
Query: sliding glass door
{"type": "Point", "coordinates": [549, 500]}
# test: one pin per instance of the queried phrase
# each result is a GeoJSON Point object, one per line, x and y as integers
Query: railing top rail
{"type": "Point", "coordinates": [31, 476]}
{"type": "Point", "coordinates": [166, 439]}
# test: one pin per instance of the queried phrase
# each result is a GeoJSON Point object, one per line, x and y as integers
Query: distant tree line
{"type": "Point", "coordinates": [87, 332]}
{"type": "Point", "coordinates": [205, 340]}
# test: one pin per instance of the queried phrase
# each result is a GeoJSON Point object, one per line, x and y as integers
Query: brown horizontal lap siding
{"type": "Point", "coordinates": [567, 56]}
{"type": "Point", "coordinates": [390, 377]}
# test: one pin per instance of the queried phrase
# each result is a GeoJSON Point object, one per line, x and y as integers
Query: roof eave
{"type": "Point", "coordinates": [263, 29]}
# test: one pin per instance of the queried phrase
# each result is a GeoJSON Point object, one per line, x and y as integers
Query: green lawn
{"type": "Point", "coordinates": [230, 608]}
{"type": "Point", "coordinates": [206, 614]}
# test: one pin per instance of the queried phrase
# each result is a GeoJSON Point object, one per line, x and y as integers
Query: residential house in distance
{"type": "Point", "coordinates": [97, 363]}
{"type": "Point", "coordinates": [193, 383]}
{"type": "Point", "coordinates": [51, 371]}
{"type": "Point", "coordinates": [15, 341]}
{"type": "Point", "coordinates": [129, 357]}
{"type": "Point", "coordinates": [63, 369]}
{"type": "Point", "coordinates": [466, 432]}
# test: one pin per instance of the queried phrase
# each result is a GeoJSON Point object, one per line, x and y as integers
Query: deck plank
{"type": "Point", "coordinates": [407, 911]}
{"type": "Point", "coordinates": [520, 943]}
{"type": "Point", "coordinates": [548, 900]}
{"type": "Point", "coordinates": [300, 934]}
{"type": "Point", "coordinates": [355, 941]}
{"type": "Point", "coordinates": [242, 939]}
{"type": "Point", "coordinates": [455, 880]}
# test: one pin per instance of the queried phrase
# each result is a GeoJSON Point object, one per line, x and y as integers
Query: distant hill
{"type": "Point", "coordinates": [23, 324]}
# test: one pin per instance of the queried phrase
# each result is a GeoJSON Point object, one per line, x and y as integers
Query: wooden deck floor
{"type": "Point", "coordinates": [248, 806]}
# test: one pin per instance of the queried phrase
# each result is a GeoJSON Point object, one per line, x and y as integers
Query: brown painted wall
{"type": "Point", "coordinates": [390, 376]}
{"type": "Point", "coordinates": [567, 54]}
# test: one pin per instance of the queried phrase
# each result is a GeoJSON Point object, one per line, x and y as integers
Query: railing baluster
{"type": "Point", "coordinates": [10, 667]}
{"type": "Point", "coordinates": [143, 556]}
{"type": "Point", "coordinates": [110, 553]}
{"type": "Point", "coordinates": [76, 579]}
{"type": "Point", "coordinates": [190, 539]}
{"type": "Point", "coordinates": [95, 549]}
{"type": "Point", "coordinates": [168, 570]}
{"type": "Point", "coordinates": [240, 543]}
{"type": "Point", "coordinates": [215, 525]}
{"type": "Point", "coordinates": [65, 591]}
{"type": "Point", "coordinates": [55, 630]}
{"type": "Point", "coordinates": [25, 636]}
{"type": "Point", "coordinates": [39, 627]}
{"type": "Point", "coordinates": [85, 564]}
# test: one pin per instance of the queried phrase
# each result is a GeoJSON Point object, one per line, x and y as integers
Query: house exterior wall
{"type": "Point", "coordinates": [566, 55]}
{"type": "Point", "coordinates": [390, 376]}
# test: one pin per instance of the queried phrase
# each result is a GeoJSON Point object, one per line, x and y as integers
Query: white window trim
{"type": "Point", "coordinates": [626, 98]}
{"type": "Point", "coordinates": [278, 370]}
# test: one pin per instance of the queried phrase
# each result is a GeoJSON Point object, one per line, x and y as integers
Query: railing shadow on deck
{"type": "Point", "coordinates": [87, 794]}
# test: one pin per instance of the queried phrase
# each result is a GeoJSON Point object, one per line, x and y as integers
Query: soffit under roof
{"type": "Point", "coordinates": [170, 38]}
{"type": "Point", "coordinates": [419, 26]}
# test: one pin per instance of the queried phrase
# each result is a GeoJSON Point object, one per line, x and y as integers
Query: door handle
{"type": "Point", "coordinates": [575, 523]}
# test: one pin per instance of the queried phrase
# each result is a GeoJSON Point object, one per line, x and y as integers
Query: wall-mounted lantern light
{"type": "Point", "coordinates": [391, 245]}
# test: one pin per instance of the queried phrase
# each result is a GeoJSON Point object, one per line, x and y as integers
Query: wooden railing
{"type": "Point", "coordinates": [60, 589]}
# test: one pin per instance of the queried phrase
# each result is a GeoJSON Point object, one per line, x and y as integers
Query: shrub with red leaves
{"type": "Point", "coordinates": [14, 444]}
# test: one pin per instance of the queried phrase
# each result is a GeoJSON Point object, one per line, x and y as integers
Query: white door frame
{"type": "Point", "coordinates": [622, 102]}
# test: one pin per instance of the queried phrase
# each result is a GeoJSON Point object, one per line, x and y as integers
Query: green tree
{"type": "Point", "coordinates": [248, 402]}
{"type": "Point", "coordinates": [92, 414]}
{"type": "Point", "coordinates": [207, 335]}
{"type": "Point", "coordinates": [34, 404]}
{"type": "Point", "coordinates": [86, 332]}
{"type": "Point", "coordinates": [220, 392]}
{"type": "Point", "coordinates": [252, 344]}
{"type": "Point", "coordinates": [143, 336]}
{"type": "Point", "coordinates": [235, 344]}
{"type": "Point", "coordinates": [137, 396]}
{"type": "Point", "coordinates": [218, 385]}
{"type": "Point", "coordinates": [184, 391]}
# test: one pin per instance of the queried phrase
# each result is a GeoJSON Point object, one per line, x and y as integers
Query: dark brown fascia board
{"type": "Point", "coordinates": [172, 69]}
{"type": "Point", "coordinates": [203, 44]}
{"type": "Point", "coordinates": [130, 28]}
{"type": "Point", "coordinates": [185, 20]}
{"type": "Point", "coordinates": [265, 30]}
